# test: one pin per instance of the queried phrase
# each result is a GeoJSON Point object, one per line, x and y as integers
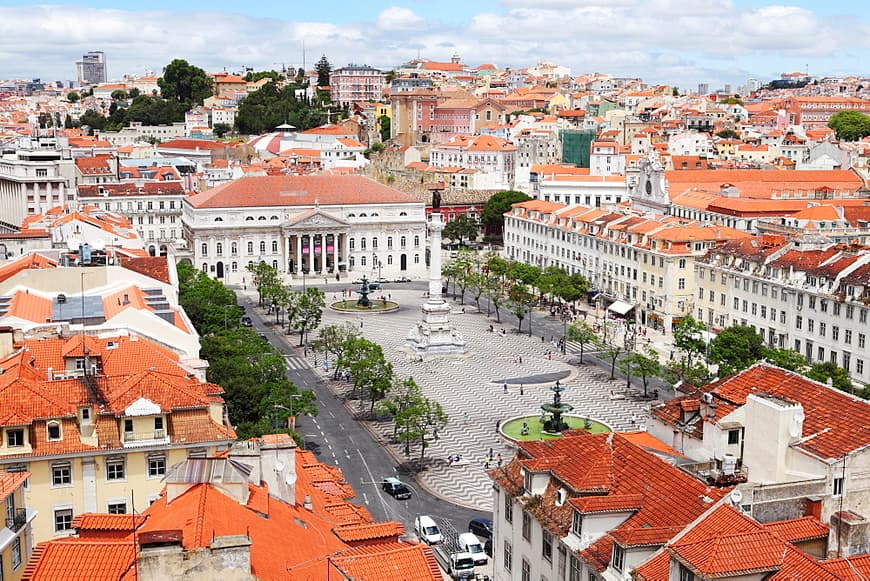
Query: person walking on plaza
{"type": "Point", "coordinates": [505, 388]}
{"type": "Point", "coordinates": [521, 389]}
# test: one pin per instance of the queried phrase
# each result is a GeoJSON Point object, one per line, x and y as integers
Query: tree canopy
{"type": "Point", "coordinates": [462, 227]}
{"type": "Point", "coordinates": [271, 106]}
{"type": "Point", "coordinates": [736, 348]}
{"type": "Point", "coordinates": [492, 216]}
{"type": "Point", "coordinates": [185, 84]}
{"type": "Point", "coordinates": [850, 125]}
{"type": "Point", "coordinates": [324, 69]}
{"type": "Point", "coordinates": [838, 376]}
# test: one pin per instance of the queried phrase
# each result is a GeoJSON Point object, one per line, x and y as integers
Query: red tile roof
{"type": "Point", "coordinates": [799, 529]}
{"type": "Point", "coordinates": [276, 191]}
{"type": "Point", "coordinates": [82, 560]}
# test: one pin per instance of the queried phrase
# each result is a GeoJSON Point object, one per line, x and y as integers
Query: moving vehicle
{"type": "Point", "coordinates": [403, 279]}
{"type": "Point", "coordinates": [427, 530]}
{"type": "Point", "coordinates": [246, 321]}
{"type": "Point", "coordinates": [482, 527]}
{"type": "Point", "coordinates": [457, 564]}
{"type": "Point", "coordinates": [395, 488]}
{"type": "Point", "coordinates": [469, 543]}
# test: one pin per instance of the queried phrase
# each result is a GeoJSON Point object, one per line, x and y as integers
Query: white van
{"type": "Point", "coordinates": [469, 543]}
{"type": "Point", "coordinates": [427, 530]}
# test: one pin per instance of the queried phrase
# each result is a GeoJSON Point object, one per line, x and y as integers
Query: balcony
{"type": "Point", "coordinates": [147, 438]}
{"type": "Point", "coordinates": [17, 520]}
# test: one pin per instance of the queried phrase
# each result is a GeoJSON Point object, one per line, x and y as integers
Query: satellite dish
{"type": "Point", "coordinates": [736, 497]}
{"type": "Point", "coordinates": [279, 466]}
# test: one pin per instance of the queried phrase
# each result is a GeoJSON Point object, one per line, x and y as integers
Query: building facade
{"type": "Point", "coordinates": [357, 83]}
{"type": "Point", "coordinates": [306, 226]}
{"type": "Point", "coordinates": [91, 70]}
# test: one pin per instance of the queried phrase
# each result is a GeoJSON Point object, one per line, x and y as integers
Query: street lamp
{"type": "Point", "coordinates": [376, 263]}
{"type": "Point", "coordinates": [291, 420]}
{"type": "Point", "coordinates": [565, 318]}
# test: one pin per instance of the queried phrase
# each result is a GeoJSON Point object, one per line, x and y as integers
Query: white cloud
{"type": "Point", "coordinates": [663, 41]}
{"type": "Point", "coordinates": [397, 18]}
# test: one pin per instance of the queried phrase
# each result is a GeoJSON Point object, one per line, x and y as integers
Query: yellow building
{"type": "Point", "coordinates": [97, 421]}
{"type": "Point", "coordinates": [16, 539]}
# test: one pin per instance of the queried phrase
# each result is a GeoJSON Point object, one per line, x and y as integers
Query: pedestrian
{"type": "Point", "coordinates": [543, 340]}
{"type": "Point", "coordinates": [498, 459]}
{"type": "Point", "coordinates": [486, 465]}
{"type": "Point", "coordinates": [490, 453]}
{"type": "Point", "coordinates": [521, 389]}
{"type": "Point", "coordinates": [497, 426]}
{"type": "Point", "coordinates": [505, 388]}
{"type": "Point", "coordinates": [465, 418]}
{"type": "Point", "coordinates": [633, 419]}
{"type": "Point", "coordinates": [520, 359]}
{"type": "Point", "coordinates": [390, 296]}
{"type": "Point", "coordinates": [337, 278]}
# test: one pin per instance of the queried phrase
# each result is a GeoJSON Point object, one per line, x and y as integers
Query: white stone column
{"type": "Point", "coordinates": [298, 257]}
{"type": "Point", "coordinates": [335, 240]}
{"type": "Point", "coordinates": [345, 248]}
{"type": "Point", "coordinates": [311, 254]}
{"type": "Point", "coordinates": [323, 254]}
{"type": "Point", "coordinates": [435, 228]}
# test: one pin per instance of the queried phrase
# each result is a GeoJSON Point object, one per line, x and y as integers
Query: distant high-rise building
{"type": "Point", "coordinates": [91, 70]}
{"type": "Point", "coordinates": [752, 85]}
{"type": "Point", "coordinates": [703, 88]}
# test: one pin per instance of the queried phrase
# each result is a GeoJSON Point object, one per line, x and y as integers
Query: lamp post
{"type": "Point", "coordinates": [565, 318]}
{"type": "Point", "coordinates": [376, 264]}
{"type": "Point", "coordinates": [291, 421]}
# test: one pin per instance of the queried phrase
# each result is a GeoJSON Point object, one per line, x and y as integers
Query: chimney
{"type": "Point", "coordinates": [307, 504]}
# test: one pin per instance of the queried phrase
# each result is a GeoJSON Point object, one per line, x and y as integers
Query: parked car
{"type": "Point", "coordinates": [469, 543]}
{"type": "Point", "coordinates": [403, 279]}
{"type": "Point", "coordinates": [487, 547]}
{"type": "Point", "coordinates": [246, 321]}
{"type": "Point", "coordinates": [395, 488]}
{"type": "Point", "coordinates": [427, 530]}
{"type": "Point", "coordinates": [482, 527]}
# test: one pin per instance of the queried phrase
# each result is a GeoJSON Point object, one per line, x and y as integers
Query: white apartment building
{"type": "Point", "coordinates": [606, 159]}
{"type": "Point", "coordinates": [484, 153]}
{"type": "Point", "coordinates": [136, 132]}
{"type": "Point", "coordinates": [809, 294]}
{"type": "Point", "coordinates": [647, 263]}
{"type": "Point", "coordinates": [37, 175]}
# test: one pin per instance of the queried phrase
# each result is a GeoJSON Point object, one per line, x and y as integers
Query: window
{"type": "Point", "coordinates": [577, 524]}
{"type": "Point", "coordinates": [838, 486]}
{"type": "Point", "coordinates": [156, 466]}
{"type": "Point", "coordinates": [682, 264]}
{"type": "Point", "coordinates": [53, 430]}
{"type": "Point", "coordinates": [508, 555]}
{"type": "Point", "coordinates": [128, 426]}
{"type": "Point", "coordinates": [250, 247]}
{"type": "Point", "coordinates": [547, 545]}
{"type": "Point", "coordinates": [416, 242]}
{"type": "Point", "coordinates": [274, 246]}
{"type": "Point", "coordinates": [861, 340]}
{"type": "Point", "coordinates": [402, 242]}
{"type": "Point", "coordinates": [508, 508]}
{"type": "Point", "coordinates": [618, 558]}
{"type": "Point", "coordinates": [114, 469]}
{"type": "Point", "coordinates": [362, 243]}
{"type": "Point", "coordinates": [575, 570]}
{"type": "Point", "coordinates": [685, 573]}
{"type": "Point", "coordinates": [681, 284]}
{"type": "Point", "coordinates": [204, 249]}
{"type": "Point", "coordinates": [351, 243]}
{"type": "Point", "coordinates": [389, 259]}
{"type": "Point", "coordinates": [733, 436]}
{"type": "Point", "coordinates": [63, 520]}
{"type": "Point", "coordinates": [234, 248]}
{"type": "Point", "coordinates": [374, 243]}
{"type": "Point", "coordinates": [117, 508]}
{"type": "Point", "coordinates": [219, 248]}
{"type": "Point", "coordinates": [526, 571]}
{"type": "Point", "coordinates": [262, 247]}
{"type": "Point", "coordinates": [158, 423]}
{"type": "Point", "coordinates": [527, 526]}
{"type": "Point", "coordinates": [362, 261]}
{"type": "Point", "coordinates": [16, 553]}
{"type": "Point", "coordinates": [416, 259]}
{"type": "Point", "coordinates": [15, 438]}
{"type": "Point", "coordinates": [389, 242]}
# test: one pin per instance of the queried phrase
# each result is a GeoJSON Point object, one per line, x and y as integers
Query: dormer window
{"type": "Point", "coordinates": [577, 523]}
{"type": "Point", "coordinates": [617, 560]}
{"type": "Point", "coordinates": [53, 430]}
{"type": "Point", "coordinates": [527, 482]}
{"type": "Point", "coordinates": [86, 415]}
{"type": "Point", "coordinates": [14, 437]}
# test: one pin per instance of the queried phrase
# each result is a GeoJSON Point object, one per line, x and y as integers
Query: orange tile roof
{"type": "Point", "coordinates": [27, 262]}
{"type": "Point", "coordinates": [799, 529]}
{"type": "Point", "coordinates": [81, 560]}
{"type": "Point", "coordinates": [10, 481]}
{"type": "Point", "coordinates": [388, 562]}
{"type": "Point", "coordinates": [762, 183]}
{"type": "Point", "coordinates": [91, 521]}
{"type": "Point", "coordinates": [298, 191]}
{"type": "Point", "coordinates": [192, 144]}
{"type": "Point", "coordinates": [30, 307]}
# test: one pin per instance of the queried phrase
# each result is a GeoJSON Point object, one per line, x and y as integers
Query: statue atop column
{"type": "Point", "coordinates": [436, 199]}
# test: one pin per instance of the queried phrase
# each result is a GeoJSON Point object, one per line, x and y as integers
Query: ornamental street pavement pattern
{"type": "Point", "coordinates": [471, 389]}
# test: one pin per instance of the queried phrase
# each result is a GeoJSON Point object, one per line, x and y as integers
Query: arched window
{"type": "Point", "coordinates": [204, 249]}
{"type": "Point", "coordinates": [374, 243]}
{"type": "Point", "coordinates": [261, 218]}
{"type": "Point", "coordinates": [351, 243]}
{"type": "Point", "coordinates": [362, 214]}
{"type": "Point", "coordinates": [362, 260]}
{"type": "Point", "coordinates": [362, 244]}
{"type": "Point", "coordinates": [389, 259]}
{"type": "Point", "coordinates": [234, 248]}
{"type": "Point", "coordinates": [375, 214]}
{"type": "Point", "coordinates": [250, 263]}
{"type": "Point", "coordinates": [275, 264]}
{"type": "Point", "coordinates": [274, 246]}
{"type": "Point", "coordinates": [250, 247]}
{"type": "Point", "coordinates": [205, 267]}
{"type": "Point", "coordinates": [249, 218]}
{"type": "Point", "coordinates": [273, 217]}
{"type": "Point", "coordinates": [262, 247]}
{"type": "Point", "coordinates": [352, 261]}
{"type": "Point", "coordinates": [389, 242]}
{"type": "Point", "coordinates": [416, 259]}
{"type": "Point", "coordinates": [234, 266]}
{"type": "Point", "coordinates": [219, 247]}
{"type": "Point", "coordinates": [351, 215]}
{"type": "Point", "coordinates": [403, 242]}
{"type": "Point", "coordinates": [403, 213]}
{"type": "Point", "coordinates": [218, 219]}
{"type": "Point", "coordinates": [416, 242]}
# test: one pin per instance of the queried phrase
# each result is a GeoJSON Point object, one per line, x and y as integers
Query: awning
{"type": "Point", "coordinates": [620, 308]}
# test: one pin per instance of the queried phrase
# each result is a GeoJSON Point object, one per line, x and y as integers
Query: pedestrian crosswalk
{"type": "Point", "coordinates": [296, 362]}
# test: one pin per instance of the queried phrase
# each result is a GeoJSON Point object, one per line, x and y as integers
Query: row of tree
{"type": "Point", "coordinates": [303, 309]}
{"type": "Point", "coordinates": [252, 372]}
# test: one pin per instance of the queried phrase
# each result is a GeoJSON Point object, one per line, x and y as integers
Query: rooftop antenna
{"type": "Point", "coordinates": [303, 54]}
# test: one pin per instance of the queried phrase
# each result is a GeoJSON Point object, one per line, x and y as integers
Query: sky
{"type": "Point", "coordinates": [674, 42]}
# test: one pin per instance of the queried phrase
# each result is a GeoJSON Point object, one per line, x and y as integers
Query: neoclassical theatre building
{"type": "Point", "coordinates": [312, 225]}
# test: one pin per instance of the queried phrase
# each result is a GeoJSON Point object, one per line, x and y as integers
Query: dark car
{"type": "Point", "coordinates": [487, 547]}
{"type": "Point", "coordinates": [396, 488]}
{"type": "Point", "coordinates": [246, 321]}
{"type": "Point", "coordinates": [482, 527]}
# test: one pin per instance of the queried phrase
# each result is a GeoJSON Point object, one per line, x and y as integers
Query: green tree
{"type": "Point", "coordinates": [728, 134]}
{"type": "Point", "coordinates": [253, 77]}
{"type": "Point", "coordinates": [462, 268]}
{"type": "Point", "coordinates": [461, 227]}
{"type": "Point", "coordinates": [520, 304]}
{"type": "Point", "coordinates": [332, 339]}
{"type": "Point", "coordinates": [580, 332]}
{"type": "Point", "coordinates": [421, 422]}
{"type": "Point", "coordinates": [610, 346]}
{"type": "Point", "coordinates": [271, 106]}
{"type": "Point", "coordinates": [787, 359]}
{"type": "Point", "coordinates": [265, 279]}
{"type": "Point", "coordinates": [644, 365]}
{"type": "Point", "coordinates": [492, 216]}
{"type": "Point", "coordinates": [324, 69]}
{"type": "Point", "coordinates": [689, 339]}
{"type": "Point", "coordinates": [72, 97]}
{"type": "Point", "coordinates": [850, 125]}
{"type": "Point", "coordinates": [92, 120]}
{"type": "Point", "coordinates": [384, 124]}
{"type": "Point", "coordinates": [133, 93]}
{"type": "Point", "coordinates": [839, 377]}
{"type": "Point", "coordinates": [306, 311]}
{"type": "Point", "coordinates": [185, 84]}
{"type": "Point", "coordinates": [119, 95]}
{"type": "Point", "coordinates": [369, 370]}
{"type": "Point", "coordinates": [221, 129]}
{"type": "Point", "coordinates": [736, 348]}
{"type": "Point", "coordinates": [209, 305]}
{"type": "Point", "coordinates": [525, 273]}
{"type": "Point", "coordinates": [401, 397]}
